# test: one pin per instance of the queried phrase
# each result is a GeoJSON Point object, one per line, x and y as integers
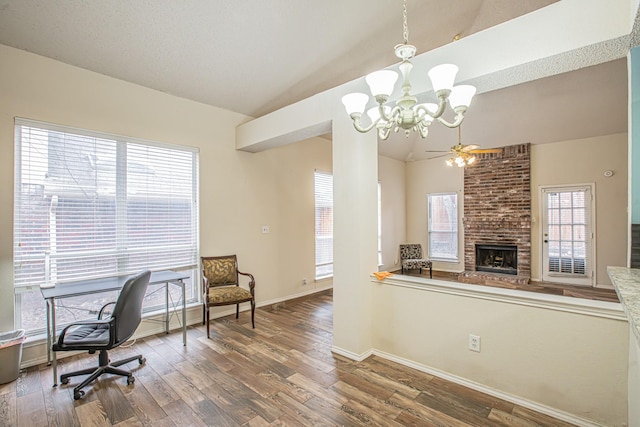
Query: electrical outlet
{"type": "Point", "coordinates": [474, 343]}
{"type": "Point", "coordinates": [304, 282]}
{"type": "Point", "coordinates": [265, 229]}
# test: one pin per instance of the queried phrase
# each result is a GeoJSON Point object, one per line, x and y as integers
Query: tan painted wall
{"type": "Point", "coordinates": [581, 162]}
{"type": "Point", "coordinates": [571, 362]}
{"type": "Point", "coordinates": [391, 174]}
{"type": "Point", "coordinates": [423, 178]}
{"type": "Point", "coordinates": [634, 380]}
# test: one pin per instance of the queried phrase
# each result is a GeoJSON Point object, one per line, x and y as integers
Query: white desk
{"type": "Point", "coordinates": [86, 287]}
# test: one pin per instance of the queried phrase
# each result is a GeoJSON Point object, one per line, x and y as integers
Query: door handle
{"type": "Point", "coordinates": [546, 241]}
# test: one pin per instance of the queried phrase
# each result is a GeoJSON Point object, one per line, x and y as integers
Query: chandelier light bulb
{"type": "Point", "coordinates": [382, 82]}
{"type": "Point", "coordinates": [443, 76]}
{"type": "Point", "coordinates": [461, 96]}
{"type": "Point", "coordinates": [355, 102]}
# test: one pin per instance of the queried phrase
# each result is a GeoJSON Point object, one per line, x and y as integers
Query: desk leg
{"type": "Point", "coordinates": [48, 303]}
{"type": "Point", "coordinates": [184, 314]}
{"type": "Point", "coordinates": [54, 362]}
{"type": "Point", "coordinates": [166, 308]}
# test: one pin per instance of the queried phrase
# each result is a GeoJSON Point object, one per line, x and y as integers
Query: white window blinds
{"type": "Point", "coordinates": [323, 183]}
{"type": "Point", "coordinates": [443, 226]}
{"type": "Point", "coordinates": [94, 205]}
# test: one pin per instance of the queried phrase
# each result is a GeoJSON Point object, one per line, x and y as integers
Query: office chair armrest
{"type": "Point", "coordinates": [101, 312]}
{"type": "Point", "coordinates": [252, 281]}
{"type": "Point", "coordinates": [108, 322]}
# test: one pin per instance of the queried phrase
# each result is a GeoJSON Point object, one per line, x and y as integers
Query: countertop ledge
{"type": "Point", "coordinates": [626, 282]}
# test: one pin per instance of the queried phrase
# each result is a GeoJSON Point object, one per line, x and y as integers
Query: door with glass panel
{"type": "Point", "coordinates": [567, 235]}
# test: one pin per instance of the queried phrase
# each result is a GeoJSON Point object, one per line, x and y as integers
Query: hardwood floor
{"type": "Point", "coordinates": [280, 374]}
{"type": "Point", "coordinates": [575, 291]}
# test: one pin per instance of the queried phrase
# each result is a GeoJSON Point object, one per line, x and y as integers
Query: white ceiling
{"type": "Point", "coordinates": [254, 57]}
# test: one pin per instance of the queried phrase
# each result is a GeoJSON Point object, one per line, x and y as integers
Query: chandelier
{"type": "Point", "coordinates": [407, 114]}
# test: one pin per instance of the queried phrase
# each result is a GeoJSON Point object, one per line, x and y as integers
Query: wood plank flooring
{"type": "Point", "coordinates": [575, 291]}
{"type": "Point", "coordinates": [280, 374]}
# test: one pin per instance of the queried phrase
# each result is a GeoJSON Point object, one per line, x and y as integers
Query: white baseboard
{"type": "Point", "coordinates": [547, 410]}
{"type": "Point", "coordinates": [294, 296]}
{"type": "Point", "coordinates": [350, 355]}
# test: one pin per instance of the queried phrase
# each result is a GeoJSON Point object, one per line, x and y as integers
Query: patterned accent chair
{"type": "Point", "coordinates": [411, 257]}
{"type": "Point", "coordinates": [221, 286]}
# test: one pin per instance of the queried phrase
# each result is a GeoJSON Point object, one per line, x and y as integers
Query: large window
{"type": "Point", "coordinates": [443, 226]}
{"type": "Point", "coordinates": [90, 205]}
{"type": "Point", "coordinates": [323, 184]}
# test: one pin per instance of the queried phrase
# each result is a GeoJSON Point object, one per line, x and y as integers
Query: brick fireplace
{"type": "Point", "coordinates": [497, 213]}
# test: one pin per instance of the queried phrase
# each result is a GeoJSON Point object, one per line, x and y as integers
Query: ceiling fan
{"type": "Point", "coordinates": [463, 154]}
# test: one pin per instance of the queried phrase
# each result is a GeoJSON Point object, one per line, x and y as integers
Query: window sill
{"type": "Point", "coordinates": [447, 260]}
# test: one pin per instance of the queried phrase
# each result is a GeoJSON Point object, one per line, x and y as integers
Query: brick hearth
{"type": "Point", "coordinates": [497, 210]}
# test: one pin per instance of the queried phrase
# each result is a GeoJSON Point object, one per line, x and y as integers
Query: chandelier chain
{"type": "Point", "coordinates": [405, 27]}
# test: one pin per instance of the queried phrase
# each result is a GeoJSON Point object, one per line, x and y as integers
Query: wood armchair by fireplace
{"type": "Point", "coordinates": [411, 258]}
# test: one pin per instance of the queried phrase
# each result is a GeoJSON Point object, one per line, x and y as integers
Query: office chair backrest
{"type": "Point", "coordinates": [128, 309]}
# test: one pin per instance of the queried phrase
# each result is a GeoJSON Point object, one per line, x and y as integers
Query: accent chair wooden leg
{"type": "Point", "coordinates": [237, 310]}
{"type": "Point", "coordinates": [208, 322]}
{"type": "Point", "coordinates": [253, 312]}
{"type": "Point", "coordinates": [430, 272]}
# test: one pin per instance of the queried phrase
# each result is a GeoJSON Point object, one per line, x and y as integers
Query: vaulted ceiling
{"type": "Point", "coordinates": [254, 57]}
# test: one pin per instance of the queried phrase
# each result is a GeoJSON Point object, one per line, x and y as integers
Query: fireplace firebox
{"type": "Point", "coordinates": [497, 259]}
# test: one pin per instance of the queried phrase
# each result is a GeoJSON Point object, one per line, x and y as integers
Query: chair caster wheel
{"type": "Point", "coordinates": [142, 361]}
{"type": "Point", "coordinates": [130, 380]}
{"type": "Point", "coordinates": [77, 395]}
{"type": "Point", "coordinates": [64, 380]}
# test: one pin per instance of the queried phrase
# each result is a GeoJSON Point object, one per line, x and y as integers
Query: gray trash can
{"type": "Point", "coordinates": [10, 355]}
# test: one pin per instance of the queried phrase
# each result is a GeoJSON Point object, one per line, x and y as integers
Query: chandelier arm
{"type": "Point", "coordinates": [423, 130]}
{"type": "Point", "coordinates": [391, 115]}
{"type": "Point", "coordinates": [442, 105]}
{"type": "Point", "coordinates": [457, 122]}
{"type": "Point", "coordinates": [356, 123]}
{"type": "Point", "coordinates": [384, 132]}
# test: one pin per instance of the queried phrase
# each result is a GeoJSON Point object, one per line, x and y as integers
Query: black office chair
{"type": "Point", "coordinates": [104, 334]}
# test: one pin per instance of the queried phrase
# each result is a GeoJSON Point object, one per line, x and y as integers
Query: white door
{"type": "Point", "coordinates": [567, 235]}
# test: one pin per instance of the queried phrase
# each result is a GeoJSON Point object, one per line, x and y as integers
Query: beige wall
{"type": "Point", "coordinates": [423, 178]}
{"type": "Point", "coordinates": [571, 362]}
{"type": "Point", "coordinates": [634, 380]}
{"type": "Point", "coordinates": [583, 162]}
{"type": "Point", "coordinates": [391, 174]}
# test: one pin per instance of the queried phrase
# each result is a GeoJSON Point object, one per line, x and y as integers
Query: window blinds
{"type": "Point", "coordinates": [91, 205]}
{"type": "Point", "coordinates": [443, 226]}
{"type": "Point", "coordinates": [323, 184]}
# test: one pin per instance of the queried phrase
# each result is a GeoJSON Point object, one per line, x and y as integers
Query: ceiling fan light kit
{"type": "Point", "coordinates": [407, 114]}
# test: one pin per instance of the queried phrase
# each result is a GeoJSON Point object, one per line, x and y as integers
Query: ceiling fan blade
{"type": "Point", "coordinates": [436, 151]}
{"type": "Point", "coordinates": [487, 150]}
{"type": "Point", "coordinates": [437, 157]}
{"type": "Point", "coordinates": [470, 147]}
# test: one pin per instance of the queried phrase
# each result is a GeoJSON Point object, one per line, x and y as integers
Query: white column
{"type": "Point", "coordinates": [355, 225]}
